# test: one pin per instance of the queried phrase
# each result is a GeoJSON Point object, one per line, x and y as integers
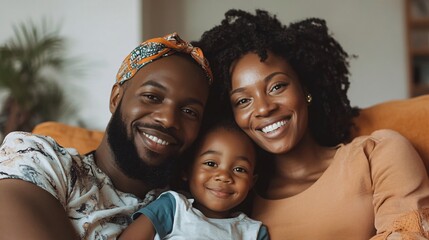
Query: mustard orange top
{"type": "Point", "coordinates": [375, 184]}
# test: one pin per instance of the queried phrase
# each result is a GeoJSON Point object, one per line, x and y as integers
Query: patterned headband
{"type": "Point", "coordinates": [157, 48]}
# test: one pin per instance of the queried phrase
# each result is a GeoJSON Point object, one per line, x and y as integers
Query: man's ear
{"type": "Point", "coordinates": [115, 97]}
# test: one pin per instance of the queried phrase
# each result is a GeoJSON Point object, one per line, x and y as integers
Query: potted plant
{"type": "Point", "coordinates": [32, 68]}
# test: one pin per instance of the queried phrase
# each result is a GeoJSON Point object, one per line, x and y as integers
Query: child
{"type": "Point", "coordinates": [218, 178]}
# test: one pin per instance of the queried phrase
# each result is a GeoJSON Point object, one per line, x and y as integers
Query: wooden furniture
{"type": "Point", "coordinates": [417, 32]}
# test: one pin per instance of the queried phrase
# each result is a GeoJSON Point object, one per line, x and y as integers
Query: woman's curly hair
{"type": "Point", "coordinates": [318, 59]}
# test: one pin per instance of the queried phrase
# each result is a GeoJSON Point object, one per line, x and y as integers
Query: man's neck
{"type": "Point", "coordinates": [105, 160]}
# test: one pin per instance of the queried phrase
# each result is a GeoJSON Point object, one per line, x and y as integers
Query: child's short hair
{"type": "Point", "coordinates": [188, 157]}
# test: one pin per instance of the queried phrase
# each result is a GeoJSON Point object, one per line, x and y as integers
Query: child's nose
{"type": "Point", "coordinates": [223, 176]}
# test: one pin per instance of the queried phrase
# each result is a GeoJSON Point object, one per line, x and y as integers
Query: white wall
{"type": "Point", "coordinates": [103, 32]}
{"type": "Point", "coordinates": [372, 29]}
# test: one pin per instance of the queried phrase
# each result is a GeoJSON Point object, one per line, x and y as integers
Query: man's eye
{"type": "Point", "coordinates": [152, 98]}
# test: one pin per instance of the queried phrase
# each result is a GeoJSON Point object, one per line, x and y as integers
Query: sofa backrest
{"type": "Point", "coordinates": [410, 117]}
{"type": "Point", "coordinates": [84, 140]}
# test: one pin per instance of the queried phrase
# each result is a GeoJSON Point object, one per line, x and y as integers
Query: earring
{"type": "Point", "coordinates": [309, 98]}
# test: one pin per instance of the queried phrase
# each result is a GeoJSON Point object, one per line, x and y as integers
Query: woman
{"type": "Point", "coordinates": [287, 86]}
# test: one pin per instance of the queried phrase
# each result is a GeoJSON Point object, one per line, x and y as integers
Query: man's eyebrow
{"type": "Point", "coordinates": [266, 79]}
{"type": "Point", "coordinates": [154, 84]}
{"type": "Point", "coordinates": [162, 87]}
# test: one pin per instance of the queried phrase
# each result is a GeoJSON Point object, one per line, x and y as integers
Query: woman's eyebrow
{"type": "Point", "coordinates": [266, 79]}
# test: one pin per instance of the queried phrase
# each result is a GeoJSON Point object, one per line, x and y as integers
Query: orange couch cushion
{"type": "Point", "coordinates": [409, 117]}
{"type": "Point", "coordinates": [84, 140]}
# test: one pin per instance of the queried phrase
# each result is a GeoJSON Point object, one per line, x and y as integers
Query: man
{"type": "Point", "coordinates": [157, 104]}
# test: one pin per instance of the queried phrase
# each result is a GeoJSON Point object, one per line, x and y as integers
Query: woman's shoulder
{"type": "Point", "coordinates": [381, 136]}
{"type": "Point", "coordinates": [384, 145]}
{"type": "Point", "coordinates": [380, 145]}
{"type": "Point", "coordinates": [386, 134]}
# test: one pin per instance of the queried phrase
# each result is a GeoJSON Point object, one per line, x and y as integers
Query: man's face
{"type": "Point", "coordinates": [160, 111]}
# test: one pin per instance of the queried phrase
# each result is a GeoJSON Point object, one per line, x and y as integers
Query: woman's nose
{"type": "Point", "coordinates": [263, 106]}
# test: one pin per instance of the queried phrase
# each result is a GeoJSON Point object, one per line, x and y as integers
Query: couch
{"type": "Point", "coordinates": [410, 117]}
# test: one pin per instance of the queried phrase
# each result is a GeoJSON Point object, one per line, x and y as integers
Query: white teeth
{"type": "Point", "coordinates": [273, 126]}
{"type": "Point", "coordinates": [157, 140]}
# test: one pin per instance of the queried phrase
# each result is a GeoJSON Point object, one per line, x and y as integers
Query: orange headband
{"type": "Point", "coordinates": [157, 48]}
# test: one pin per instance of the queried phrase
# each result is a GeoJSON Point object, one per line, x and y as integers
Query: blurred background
{"type": "Point", "coordinates": [98, 34]}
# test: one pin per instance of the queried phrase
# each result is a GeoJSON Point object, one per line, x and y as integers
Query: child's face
{"type": "Point", "coordinates": [222, 172]}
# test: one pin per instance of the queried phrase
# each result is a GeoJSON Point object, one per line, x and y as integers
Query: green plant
{"type": "Point", "coordinates": [33, 65]}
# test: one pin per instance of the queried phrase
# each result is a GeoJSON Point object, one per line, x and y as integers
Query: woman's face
{"type": "Point", "coordinates": [268, 102]}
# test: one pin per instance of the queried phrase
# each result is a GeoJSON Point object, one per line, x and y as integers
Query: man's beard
{"type": "Point", "coordinates": [128, 160]}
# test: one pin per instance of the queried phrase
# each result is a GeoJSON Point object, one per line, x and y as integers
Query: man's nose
{"type": "Point", "coordinates": [167, 116]}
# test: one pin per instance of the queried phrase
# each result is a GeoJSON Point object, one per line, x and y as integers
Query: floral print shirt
{"type": "Point", "coordinates": [94, 206]}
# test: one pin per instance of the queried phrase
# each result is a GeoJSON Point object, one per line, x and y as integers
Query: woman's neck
{"type": "Point", "coordinates": [298, 169]}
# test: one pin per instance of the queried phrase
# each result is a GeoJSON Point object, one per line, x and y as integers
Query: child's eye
{"type": "Point", "coordinates": [191, 113]}
{"type": "Point", "coordinates": [240, 170]}
{"type": "Point", "coordinates": [210, 163]}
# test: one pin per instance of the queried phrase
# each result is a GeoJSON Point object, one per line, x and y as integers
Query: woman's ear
{"type": "Point", "coordinates": [115, 97]}
{"type": "Point", "coordinates": [308, 96]}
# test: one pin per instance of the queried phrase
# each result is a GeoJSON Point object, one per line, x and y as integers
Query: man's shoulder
{"type": "Point", "coordinates": [33, 157]}
{"type": "Point", "coordinates": [23, 142]}
{"type": "Point", "coordinates": [26, 137]}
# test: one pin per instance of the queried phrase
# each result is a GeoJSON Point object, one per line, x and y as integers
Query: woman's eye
{"type": "Point", "coordinates": [278, 87]}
